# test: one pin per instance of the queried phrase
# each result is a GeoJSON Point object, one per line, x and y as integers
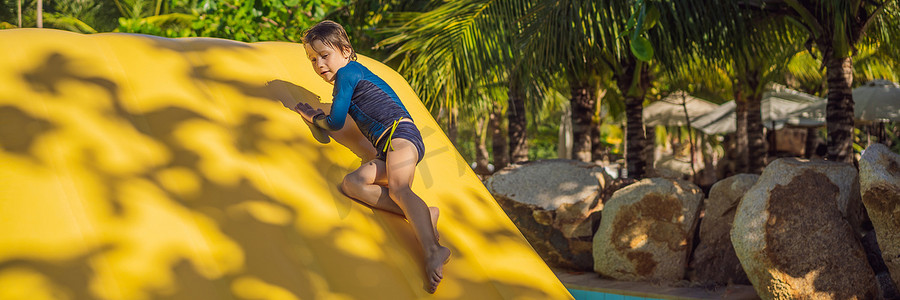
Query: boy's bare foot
{"type": "Point", "coordinates": [434, 268]}
{"type": "Point", "coordinates": [435, 213]}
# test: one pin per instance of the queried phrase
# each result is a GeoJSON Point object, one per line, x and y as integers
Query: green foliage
{"type": "Point", "coordinates": [544, 140]}
{"type": "Point", "coordinates": [461, 54]}
{"type": "Point", "coordinates": [94, 15]}
{"type": "Point", "coordinates": [611, 137]}
{"type": "Point", "coordinates": [68, 23]}
{"type": "Point", "coordinates": [263, 20]}
{"type": "Point", "coordinates": [637, 26]}
{"type": "Point", "coordinates": [893, 134]}
{"type": "Point", "coordinates": [168, 25]}
{"type": "Point", "coordinates": [458, 53]}
{"type": "Point", "coordinates": [9, 14]}
{"type": "Point", "coordinates": [241, 20]}
{"type": "Point", "coordinates": [863, 138]}
{"type": "Point", "coordinates": [260, 20]}
{"type": "Point", "coordinates": [641, 48]}
{"type": "Point", "coordinates": [84, 16]}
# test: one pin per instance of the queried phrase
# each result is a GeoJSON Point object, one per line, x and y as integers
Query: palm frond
{"type": "Point", "coordinates": [453, 52]}
{"type": "Point", "coordinates": [68, 23]}
{"type": "Point", "coordinates": [170, 20]}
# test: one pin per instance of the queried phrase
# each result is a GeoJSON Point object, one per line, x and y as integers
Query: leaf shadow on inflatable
{"type": "Point", "coordinates": [185, 177]}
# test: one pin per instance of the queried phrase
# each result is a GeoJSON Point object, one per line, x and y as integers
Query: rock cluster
{"type": "Point", "coordinates": [803, 229]}
{"type": "Point", "coordinates": [555, 204]}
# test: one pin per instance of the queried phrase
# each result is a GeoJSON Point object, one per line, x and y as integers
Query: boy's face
{"type": "Point", "coordinates": [326, 60]}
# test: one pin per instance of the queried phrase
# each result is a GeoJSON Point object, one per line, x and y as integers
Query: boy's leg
{"type": "Point", "coordinates": [366, 184]}
{"type": "Point", "coordinates": [401, 167]}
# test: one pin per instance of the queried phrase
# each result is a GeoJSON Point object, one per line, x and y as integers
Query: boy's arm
{"type": "Point", "coordinates": [344, 84]}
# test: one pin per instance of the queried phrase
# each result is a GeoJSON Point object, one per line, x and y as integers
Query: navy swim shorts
{"type": "Point", "coordinates": [407, 131]}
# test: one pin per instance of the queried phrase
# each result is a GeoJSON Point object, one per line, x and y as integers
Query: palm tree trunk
{"type": "Point", "coordinates": [756, 142]}
{"type": "Point", "coordinates": [741, 139]}
{"type": "Point", "coordinates": [582, 103]}
{"type": "Point", "coordinates": [687, 117]}
{"type": "Point", "coordinates": [635, 138]}
{"type": "Point", "coordinates": [810, 145]}
{"type": "Point", "coordinates": [40, 14]}
{"type": "Point", "coordinates": [19, 7]}
{"type": "Point", "coordinates": [565, 136]}
{"type": "Point", "coordinates": [518, 124]}
{"type": "Point", "coordinates": [481, 152]}
{"type": "Point", "coordinates": [499, 146]}
{"type": "Point", "coordinates": [598, 152]}
{"type": "Point", "coordinates": [452, 127]}
{"type": "Point", "coordinates": [649, 152]}
{"type": "Point", "coordinates": [839, 111]}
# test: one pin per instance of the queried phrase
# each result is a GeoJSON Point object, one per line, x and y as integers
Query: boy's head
{"type": "Point", "coordinates": [328, 48]}
{"type": "Point", "coordinates": [332, 35]}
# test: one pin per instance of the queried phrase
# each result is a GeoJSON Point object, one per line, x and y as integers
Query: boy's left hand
{"type": "Point", "coordinates": [307, 111]}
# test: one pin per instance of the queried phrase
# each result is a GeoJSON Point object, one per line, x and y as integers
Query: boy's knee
{"type": "Point", "coordinates": [351, 180]}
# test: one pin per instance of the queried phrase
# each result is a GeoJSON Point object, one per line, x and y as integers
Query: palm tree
{"type": "Point", "coordinates": [594, 47]}
{"type": "Point", "coordinates": [752, 74]}
{"type": "Point", "coordinates": [590, 33]}
{"type": "Point", "coordinates": [460, 51]}
{"type": "Point", "coordinates": [573, 28]}
{"type": "Point", "coordinates": [872, 61]}
{"type": "Point", "coordinates": [603, 37]}
{"type": "Point", "coordinates": [629, 60]}
{"type": "Point", "coordinates": [835, 28]}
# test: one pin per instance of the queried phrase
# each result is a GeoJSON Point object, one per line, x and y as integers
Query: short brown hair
{"type": "Point", "coordinates": [331, 34]}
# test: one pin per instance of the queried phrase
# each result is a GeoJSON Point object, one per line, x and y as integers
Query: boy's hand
{"type": "Point", "coordinates": [307, 111]}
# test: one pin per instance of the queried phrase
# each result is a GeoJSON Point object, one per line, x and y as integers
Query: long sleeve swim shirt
{"type": "Point", "coordinates": [371, 103]}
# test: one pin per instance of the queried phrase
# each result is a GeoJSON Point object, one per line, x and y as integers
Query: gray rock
{"type": "Point", "coordinates": [549, 183]}
{"type": "Point", "coordinates": [714, 260]}
{"type": "Point", "coordinates": [879, 178]}
{"type": "Point", "coordinates": [556, 205]}
{"type": "Point", "coordinates": [873, 255]}
{"type": "Point", "coordinates": [646, 231]}
{"type": "Point", "coordinates": [792, 238]}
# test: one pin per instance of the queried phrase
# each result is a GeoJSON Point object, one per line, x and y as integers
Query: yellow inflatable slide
{"type": "Point", "coordinates": [138, 167]}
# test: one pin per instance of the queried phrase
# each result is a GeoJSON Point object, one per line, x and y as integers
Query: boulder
{"type": "Point", "coordinates": [883, 277]}
{"type": "Point", "coordinates": [555, 204]}
{"type": "Point", "coordinates": [646, 231]}
{"type": "Point", "coordinates": [879, 178]}
{"type": "Point", "coordinates": [714, 261]}
{"type": "Point", "coordinates": [792, 237]}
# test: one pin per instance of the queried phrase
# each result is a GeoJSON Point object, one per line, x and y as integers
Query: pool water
{"type": "Point", "coordinates": [591, 295]}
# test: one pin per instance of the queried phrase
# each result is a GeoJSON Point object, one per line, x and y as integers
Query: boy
{"type": "Point", "coordinates": [385, 122]}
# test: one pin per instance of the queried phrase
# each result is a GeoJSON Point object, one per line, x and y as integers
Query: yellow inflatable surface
{"type": "Point", "coordinates": [138, 167]}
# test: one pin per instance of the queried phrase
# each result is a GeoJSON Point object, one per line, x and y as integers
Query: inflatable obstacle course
{"type": "Point", "coordinates": [138, 167]}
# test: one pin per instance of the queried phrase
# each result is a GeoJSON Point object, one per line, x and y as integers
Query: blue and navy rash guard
{"type": "Point", "coordinates": [366, 98]}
